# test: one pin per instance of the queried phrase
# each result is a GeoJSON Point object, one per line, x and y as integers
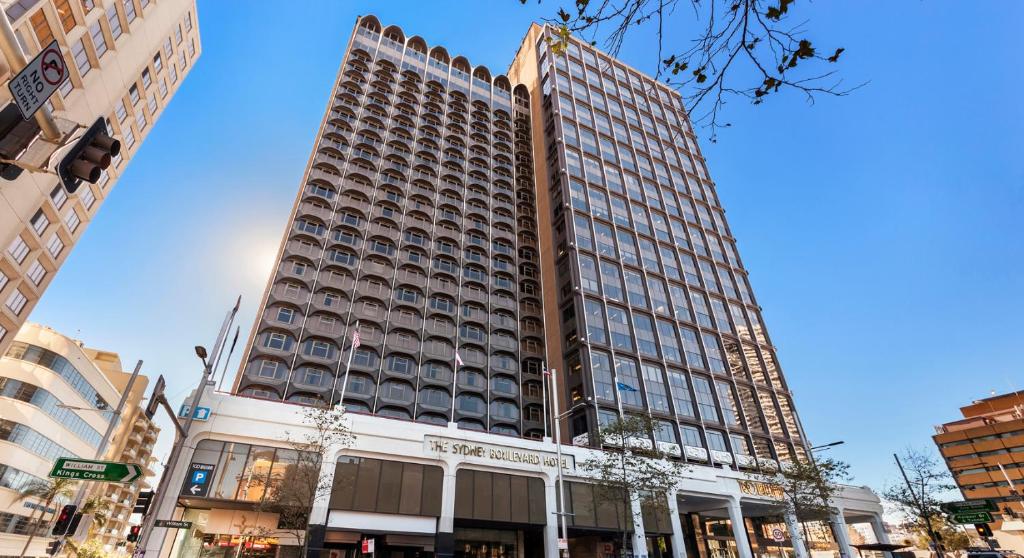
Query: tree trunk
{"type": "Point", "coordinates": [34, 526]}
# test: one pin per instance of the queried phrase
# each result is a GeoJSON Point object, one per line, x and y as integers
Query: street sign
{"type": "Point", "coordinates": [87, 469]}
{"type": "Point", "coordinates": [173, 524]}
{"type": "Point", "coordinates": [37, 81]}
{"type": "Point", "coordinates": [197, 482]}
{"type": "Point", "coordinates": [563, 544]}
{"type": "Point", "coordinates": [37, 507]}
{"type": "Point", "coordinates": [778, 535]}
{"type": "Point", "coordinates": [139, 552]}
{"type": "Point", "coordinates": [971, 517]}
{"type": "Point", "coordinates": [368, 546]}
{"type": "Point", "coordinates": [972, 506]}
{"type": "Point", "coordinates": [201, 413]}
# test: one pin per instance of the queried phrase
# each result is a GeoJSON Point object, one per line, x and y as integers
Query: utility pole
{"type": "Point", "coordinates": [147, 544]}
{"type": "Point", "coordinates": [922, 506]}
{"type": "Point", "coordinates": [558, 455]}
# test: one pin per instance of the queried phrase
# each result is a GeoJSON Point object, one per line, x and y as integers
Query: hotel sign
{"type": "Point", "coordinates": [496, 454]}
{"type": "Point", "coordinates": [757, 488]}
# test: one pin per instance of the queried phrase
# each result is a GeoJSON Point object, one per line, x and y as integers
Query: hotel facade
{"type": "Point", "coordinates": [457, 235]}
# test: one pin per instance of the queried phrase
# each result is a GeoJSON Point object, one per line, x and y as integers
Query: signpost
{"type": "Point", "coordinates": [972, 506]}
{"type": "Point", "coordinates": [201, 413]}
{"type": "Point", "coordinates": [37, 507]}
{"type": "Point", "coordinates": [173, 524]}
{"type": "Point", "coordinates": [197, 483]}
{"type": "Point", "coordinates": [37, 81]}
{"type": "Point", "coordinates": [965, 518]}
{"type": "Point", "coordinates": [778, 535]}
{"type": "Point", "coordinates": [91, 470]}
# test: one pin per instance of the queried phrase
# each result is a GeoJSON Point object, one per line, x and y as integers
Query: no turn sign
{"type": "Point", "coordinates": [37, 81]}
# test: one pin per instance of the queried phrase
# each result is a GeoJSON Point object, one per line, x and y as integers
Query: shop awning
{"type": "Point", "coordinates": [879, 547]}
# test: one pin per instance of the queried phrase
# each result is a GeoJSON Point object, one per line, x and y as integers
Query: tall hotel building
{"type": "Point", "coordinates": [473, 228]}
{"type": "Point", "coordinates": [125, 61]}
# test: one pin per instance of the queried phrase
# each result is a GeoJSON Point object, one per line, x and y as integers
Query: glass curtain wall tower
{"type": "Point", "coordinates": [647, 292]}
{"type": "Point", "coordinates": [416, 224]}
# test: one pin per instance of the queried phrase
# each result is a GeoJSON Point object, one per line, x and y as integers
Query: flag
{"type": "Point", "coordinates": [355, 339]}
{"type": "Point", "coordinates": [458, 359]}
{"type": "Point", "coordinates": [625, 387]}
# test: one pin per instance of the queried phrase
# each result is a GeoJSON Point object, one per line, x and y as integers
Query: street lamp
{"type": "Point", "coordinates": [201, 352]}
{"type": "Point", "coordinates": [830, 445]}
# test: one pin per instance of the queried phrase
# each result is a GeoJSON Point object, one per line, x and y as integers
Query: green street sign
{"type": "Point", "coordinates": [972, 506]}
{"type": "Point", "coordinates": [87, 469]}
{"type": "Point", "coordinates": [972, 517]}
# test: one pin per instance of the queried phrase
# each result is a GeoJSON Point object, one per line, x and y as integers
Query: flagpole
{"type": "Point", "coordinates": [348, 364]}
{"type": "Point", "coordinates": [558, 455]}
{"type": "Point", "coordinates": [544, 397]}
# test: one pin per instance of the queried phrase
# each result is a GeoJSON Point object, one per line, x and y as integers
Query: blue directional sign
{"type": "Point", "coordinates": [197, 482]}
{"type": "Point", "coordinates": [201, 413]}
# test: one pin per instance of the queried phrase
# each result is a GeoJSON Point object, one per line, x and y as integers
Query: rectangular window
{"type": "Point", "coordinates": [601, 370]}
{"type": "Point", "coordinates": [596, 332]}
{"type": "Point", "coordinates": [611, 281]}
{"type": "Point", "coordinates": [728, 401]}
{"type": "Point", "coordinates": [16, 302]}
{"type": "Point", "coordinates": [152, 104]}
{"type": "Point", "coordinates": [120, 112]}
{"type": "Point", "coordinates": [691, 346]}
{"type": "Point", "coordinates": [36, 273]}
{"type": "Point", "coordinates": [129, 10]}
{"type": "Point", "coordinates": [66, 16]}
{"type": "Point", "coordinates": [647, 343]}
{"type": "Point", "coordinates": [114, 20]}
{"type": "Point", "coordinates": [140, 120]}
{"type": "Point", "coordinates": [163, 88]}
{"type": "Point", "coordinates": [129, 137]}
{"type": "Point", "coordinates": [626, 374]}
{"type": "Point", "coordinates": [635, 289]}
{"type": "Point", "coordinates": [55, 246]}
{"type": "Point", "coordinates": [18, 249]}
{"type": "Point", "coordinates": [158, 62]}
{"type": "Point", "coordinates": [147, 78]}
{"type": "Point", "coordinates": [59, 196]}
{"type": "Point", "coordinates": [177, 34]}
{"type": "Point", "coordinates": [654, 382]}
{"type": "Point", "coordinates": [133, 94]}
{"type": "Point", "coordinates": [41, 28]}
{"type": "Point", "coordinates": [39, 222]}
{"type": "Point", "coordinates": [99, 41]}
{"type": "Point", "coordinates": [168, 50]}
{"type": "Point", "coordinates": [87, 197]}
{"type": "Point", "coordinates": [81, 57]}
{"type": "Point", "coordinates": [681, 397]}
{"type": "Point", "coordinates": [618, 324]}
{"type": "Point", "coordinates": [705, 399]}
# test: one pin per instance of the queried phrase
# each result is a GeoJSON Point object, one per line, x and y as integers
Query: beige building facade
{"type": "Point", "coordinates": [125, 60]}
{"type": "Point", "coordinates": [57, 397]}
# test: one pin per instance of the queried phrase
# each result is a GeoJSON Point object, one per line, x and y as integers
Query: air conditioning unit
{"type": "Point", "coordinates": [670, 448]}
{"type": "Point", "coordinates": [695, 453]}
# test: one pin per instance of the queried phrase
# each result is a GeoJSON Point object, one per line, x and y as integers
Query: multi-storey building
{"type": "Point", "coordinates": [57, 397]}
{"type": "Point", "coordinates": [472, 228]}
{"type": "Point", "coordinates": [985, 453]}
{"type": "Point", "coordinates": [416, 225]}
{"type": "Point", "coordinates": [125, 60]}
{"type": "Point", "coordinates": [644, 288]}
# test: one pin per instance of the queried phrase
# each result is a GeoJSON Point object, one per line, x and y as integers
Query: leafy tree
{"type": "Point", "coordinates": [292, 492]}
{"type": "Point", "coordinates": [92, 548]}
{"type": "Point", "coordinates": [48, 492]}
{"type": "Point", "coordinates": [99, 508]}
{"type": "Point", "coordinates": [920, 496]}
{"type": "Point", "coordinates": [953, 538]}
{"type": "Point", "coordinates": [741, 48]}
{"type": "Point", "coordinates": [630, 468]}
{"type": "Point", "coordinates": [806, 490]}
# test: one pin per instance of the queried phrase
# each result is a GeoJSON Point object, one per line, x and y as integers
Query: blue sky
{"type": "Point", "coordinates": [882, 230]}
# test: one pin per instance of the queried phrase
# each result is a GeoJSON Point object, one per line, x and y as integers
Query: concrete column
{"type": "Point", "coordinates": [445, 544]}
{"type": "Point", "coordinates": [796, 535]}
{"type": "Point", "coordinates": [842, 536]}
{"type": "Point", "coordinates": [739, 529]}
{"type": "Point", "coordinates": [320, 510]}
{"type": "Point", "coordinates": [678, 539]}
{"type": "Point", "coordinates": [881, 535]}
{"type": "Point", "coordinates": [551, 530]}
{"type": "Point", "coordinates": [639, 536]}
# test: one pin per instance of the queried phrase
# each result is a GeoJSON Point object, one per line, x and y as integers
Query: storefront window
{"type": "Point", "coordinates": [485, 543]}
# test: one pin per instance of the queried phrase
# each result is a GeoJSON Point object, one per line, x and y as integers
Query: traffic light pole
{"type": "Point", "coordinates": [154, 545]}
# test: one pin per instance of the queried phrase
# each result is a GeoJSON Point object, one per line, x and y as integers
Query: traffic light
{"type": "Point", "coordinates": [142, 502]}
{"type": "Point", "coordinates": [73, 527]}
{"type": "Point", "coordinates": [67, 513]}
{"type": "Point", "coordinates": [133, 533]}
{"type": "Point", "coordinates": [155, 397]}
{"type": "Point", "coordinates": [983, 529]}
{"type": "Point", "coordinates": [53, 548]}
{"type": "Point", "coordinates": [89, 157]}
